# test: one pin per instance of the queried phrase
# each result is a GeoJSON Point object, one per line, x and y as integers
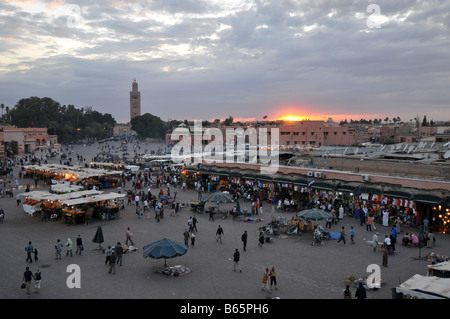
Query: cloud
{"type": "Point", "coordinates": [211, 59]}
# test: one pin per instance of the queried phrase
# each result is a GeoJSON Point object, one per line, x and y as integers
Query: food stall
{"type": "Point", "coordinates": [30, 206]}
{"type": "Point", "coordinates": [51, 204]}
{"type": "Point", "coordinates": [106, 207]}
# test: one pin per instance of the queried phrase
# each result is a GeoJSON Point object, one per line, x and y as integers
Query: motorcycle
{"type": "Point", "coordinates": [317, 239]}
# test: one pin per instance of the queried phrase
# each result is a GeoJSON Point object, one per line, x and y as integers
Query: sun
{"type": "Point", "coordinates": [292, 118]}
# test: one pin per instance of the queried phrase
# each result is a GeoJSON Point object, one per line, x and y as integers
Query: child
{"type": "Point", "coordinates": [352, 234]}
{"type": "Point", "coordinates": [265, 279]}
{"type": "Point", "coordinates": [35, 254]}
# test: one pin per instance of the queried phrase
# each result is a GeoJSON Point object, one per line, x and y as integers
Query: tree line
{"type": "Point", "coordinates": [69, 123]}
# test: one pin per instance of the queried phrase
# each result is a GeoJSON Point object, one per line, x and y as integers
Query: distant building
{"type": "Point", "coordinates": [135, 101]}
{"type": "Point", "coordinates": [315, 133]}
{"type": "Point", "coordinates": [123, 129]}
{"type": "Point", "coordinates": [28, 139]}
{"type": "Point", "coordinates": [301, 133]}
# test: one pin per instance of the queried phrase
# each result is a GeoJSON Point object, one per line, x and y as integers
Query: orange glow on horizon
{"type": "Point", "coordinates": [292, 118]}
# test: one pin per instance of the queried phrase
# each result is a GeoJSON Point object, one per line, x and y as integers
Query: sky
{"type": "Point", "coordinates": [208, 59]}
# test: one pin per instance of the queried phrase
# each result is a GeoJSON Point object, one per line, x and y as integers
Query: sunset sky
{"type": "Point", "coordinates": [206, 59]}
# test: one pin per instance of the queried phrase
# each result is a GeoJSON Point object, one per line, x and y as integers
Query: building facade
{"type": "Point", "coordinates": [301, 133]}
{"type": "Point", "coordinates": [25, 140]}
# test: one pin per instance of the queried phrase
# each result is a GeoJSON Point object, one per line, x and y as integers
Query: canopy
{"type": "Point", "coordinates": [164, 248]}
{"type": "Point", "coordinates": [314, 214]}
{"type": "Point", "coordinates": [425, 287]}
{"type": "Point", "coordinates": [92, 199]}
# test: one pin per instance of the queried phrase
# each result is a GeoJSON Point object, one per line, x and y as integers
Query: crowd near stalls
{"type": "Point", "coordinates": [295, 193]}
{"type": "Point", "coordinates": [77, 206]}
{"type": "Point", "coordinates": [75, 195]}
{"type": "Point", "coordinates": [75, 175]}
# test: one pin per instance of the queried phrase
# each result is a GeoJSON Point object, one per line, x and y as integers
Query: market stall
{"type": "Point", "coordinates": [424, 287]}
{"type": "Point", "coordinates": [106, 206]}
{"type": "Point", "coordinates": [441, 269]}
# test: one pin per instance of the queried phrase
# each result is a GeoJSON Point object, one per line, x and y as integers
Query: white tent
{"type": "Point", "coordinates": [425, 287]}
{"type": "Point", "coordinates": [64, 188]}
{"type": "Point", "coordinates": [133, 168]}
{"type": "Point", "coordinates": [92, 199]}
{"type": "Point", "coordinates": [440, 269]}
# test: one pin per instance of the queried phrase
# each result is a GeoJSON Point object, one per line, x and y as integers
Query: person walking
{"type": "Point", "coordinates": [194, 223]}
{"type": "Point", "coordinates": [58, 249]}
{"type": "Point", "coordinates": [360, 292]}
{"type": "Point", "coordinates": [273, 278]}
{"type": "Point", "coordinates": [112, 263]}
{"type": "Point", "coordinates": [265, 279]}
{"type": "Point", "coordinates": [118, 249]}
{"type": "Point", "coordinates": [394, 233]}
{"type": "Point", "coordinates": [192, 239]}
{"type": "Point", "coordinates": [108, 252]}
{"type": "Point", "coordinates": [352, 235]}
{"type": "Point", "coordinates": [430, 239]}
{"type": "Point", "coordinates": [369, 223]}
{"type": "Point", "coordinates": [261, 239]}
{"type": "Point", "coordinates": [236, 258]}
{"type": "Point", "coordinates": [129, 236]}
{"type": "Point", "coordinates": [375, 242]}
{"type": "Point", "coordinates": [69, 247]}
{"type": "Point", "coordinates": [425, 225]}
{"type": "Point", "coordinates": [29, 249]}
{"type": "Point", "coordinates": [138, 211]}
{"type": "Point", "coordinates": [190, 223]}
{"type": "Point", "coordinates": [37, 281]}
{"type": "Point", "coordinates": [219, 234]}
{"type": "Point", "coordinates": [27, 277]}
{"type": "Point", "coordinates": [79, 242]}
{"type": "Point", "coordinates": [244, 239]}
{"type": "Point", "coordinates": [342, 236]}
{"type": "Point", "coordinates": [385, 255]}
{"type": "Point", "coordinates": [186, 237]}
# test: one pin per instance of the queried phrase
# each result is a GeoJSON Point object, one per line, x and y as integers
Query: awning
{"type": "Point", "coordinates": [398, 194]}
{"type": "Point", "coordinates": [427, 199]}
{"type": "Point", "coordinates": [323, 186]}
{"type": "Point", "coordinates": [264, 178]}
{"type": "Point", "coordinates": [425, 287]}
{"type": "Point", "coordinates": [368, 190]}
{"type": "Point", "coordinates": [346, 188]}
{"type": "Point", "coordinates": [301, 182]}
{"type": "Point", "coordinates": [235, 174]}
{"type": "Point", "coordinates": [219, 173]}
{"type": "Point", "coordinates": [282, 181]}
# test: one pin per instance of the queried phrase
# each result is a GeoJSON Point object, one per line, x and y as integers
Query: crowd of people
{"type": "Point", "coordinates": [153, 192]}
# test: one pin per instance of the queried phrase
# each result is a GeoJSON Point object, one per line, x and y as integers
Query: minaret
{"type": "Point", "coordinates": [135, 101]}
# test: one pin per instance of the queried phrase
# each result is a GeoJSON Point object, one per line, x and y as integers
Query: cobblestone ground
{"type": "Point", "coordinates": [303, 271]}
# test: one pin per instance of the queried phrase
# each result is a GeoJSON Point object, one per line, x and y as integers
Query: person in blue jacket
{"type": "Point", "coordinates": [394, 233]}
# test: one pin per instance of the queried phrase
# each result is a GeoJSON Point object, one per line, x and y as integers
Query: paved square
{"type": "Point", "coordinates": [303, 271]}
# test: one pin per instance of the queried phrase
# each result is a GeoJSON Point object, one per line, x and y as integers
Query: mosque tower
{"type": "Point", "coordinates": [135, 101]}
